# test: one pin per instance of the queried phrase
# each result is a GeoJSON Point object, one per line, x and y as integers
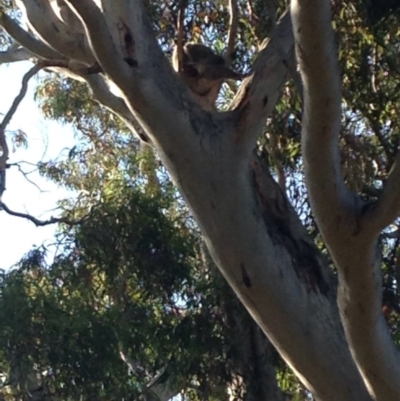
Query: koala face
{"type": "Point", "coordinates": [202, 54]}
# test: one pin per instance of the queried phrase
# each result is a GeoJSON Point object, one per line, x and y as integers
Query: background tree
{"type": "Point", "coordinates": [253, 232]}
{"type": "Point", "coordinates": [70, 324]}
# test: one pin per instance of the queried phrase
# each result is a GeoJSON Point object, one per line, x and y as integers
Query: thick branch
{"type": "Point", "coordinates": [360, 302]}
{"type": "Point", "coordinates": [350, 240]}
{"type": "Point", "coordinates": [322, 110]}
{"type": "Point", "coordinates": [124, 43]}
{"type": "Point", "coordinates": [276, 271]}
{"type": "Point", "coordinates": [101, 40]}
{"type": "Point", "coordinates": [26, 40]}
{"type": "Point", "coordinates": [258, 94]}
{"type": "Point", "coordinates": [115, 104]}
{"type": "Point", "coordinates": [45, 23]}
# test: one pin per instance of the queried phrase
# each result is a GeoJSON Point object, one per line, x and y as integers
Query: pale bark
{"type": "Point", "coordinates": [54, 33]}
{"type": "Point", "coordinates": [115, 104]}
{"type": "Point", "coordinates": [26, 40]}
{"type": "Point", "coordinates": [253, 233]}
{"type": "Point", "coordinates": [349, 227]}
{"type": "Point", "coordinates": [257, 97]}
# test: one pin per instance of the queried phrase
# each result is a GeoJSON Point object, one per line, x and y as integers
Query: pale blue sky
{"type": "Point", "coordinates": [46, 139]}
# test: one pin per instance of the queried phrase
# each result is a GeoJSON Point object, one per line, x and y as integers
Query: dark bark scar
{"type": "Point", "coordinates": [55, 27]}
{"type": "Point", "coordinates": [127, 43]}
{"type": "Point", "coordinates": [245, 277]}
{"type": "Point", "coordinates": [131, 62]}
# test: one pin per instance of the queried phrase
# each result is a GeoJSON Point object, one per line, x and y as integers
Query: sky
{"type": "Point", "coordinates": [46, 140]}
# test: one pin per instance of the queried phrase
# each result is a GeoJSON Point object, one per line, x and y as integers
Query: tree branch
{"type": "Point", "coordinates": [3, 162]}
{"type": "Point", "coordinates": [101, 41]}
{"type": "Point", "coordinates": [376, 128]}
{"type": "Point", "coordinates": [41, 223]}
{"type": "Point", "coordinates": [338, 212]}
{"type": "Point", "coordinates": [26, 40]}
{"type": "Point", "coordinates": [387, 208]}
{"type": "Point", "coordinates": [316, 54]}
{"type": "Point", "coordinates": [233, 26]}
{"type": "Point", "coordinates": [180, 39]}
{"type": "Point", "coordinates": [7, 118]}
{"type": "Point", "coordinates": [127, 50]}
{"type": "Point", "coordinates": [18, 99]}
{"type": "Point", "coordinates": [45, 23]}
{"type": "Point", "coordinates": [160, 388]}
{"type": "Point", "coordinates": [115, 104]}
{"type": "Point", "coordinates": [259, 93]}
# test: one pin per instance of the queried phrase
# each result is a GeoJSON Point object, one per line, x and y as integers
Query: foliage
{"type": "Point", "coordinates": [131, 278]}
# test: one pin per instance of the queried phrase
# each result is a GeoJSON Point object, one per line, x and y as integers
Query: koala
{"type": "Point", "coordinates": [203, 71]}
{"type": "Point", "coordinates": [200, 61]}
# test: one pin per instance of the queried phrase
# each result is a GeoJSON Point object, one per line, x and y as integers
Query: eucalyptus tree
{"type": "Point", "coordinates": [333, 336]}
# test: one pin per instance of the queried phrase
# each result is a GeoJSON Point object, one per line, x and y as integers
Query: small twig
{"type": "Point", "coordinates": [41, 223]}
{"type": "Point", "coordinates": [385, 145]}
{"type": "Point", "coordinates": [25, 174]}
{"type": "Point", "coordinates": [252, 14]}
{"type": "Point", "coordinates": [180, 33]}
{"type": "Point", "coordinates": [233, 26]}
{"type": "Point", "coordinates": [23, 162]}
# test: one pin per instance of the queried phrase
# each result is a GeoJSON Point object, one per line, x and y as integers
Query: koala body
{"type": "Point", "coordinates": [203, 71]}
